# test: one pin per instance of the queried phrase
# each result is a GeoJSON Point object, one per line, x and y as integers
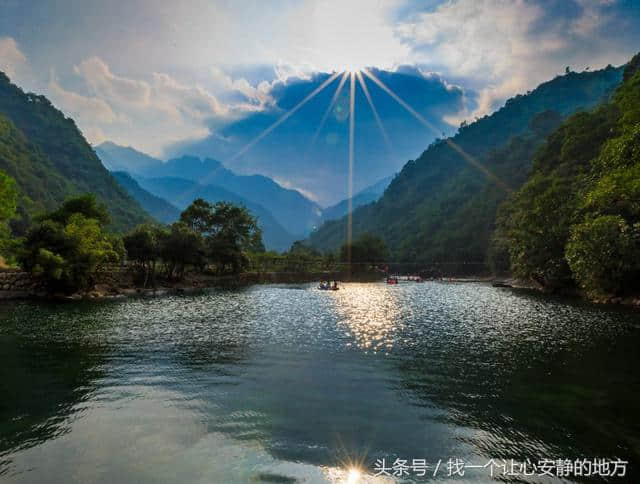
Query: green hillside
{"type": "Point", "coordinates": [50, 160]}
{"type": "Point", "coordinates": [447, 205]}
{"type": "Point", "coordinates": [577, 218]}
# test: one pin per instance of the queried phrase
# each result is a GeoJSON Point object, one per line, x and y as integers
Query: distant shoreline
{"type": "Point", "coordinates": [192, 283]}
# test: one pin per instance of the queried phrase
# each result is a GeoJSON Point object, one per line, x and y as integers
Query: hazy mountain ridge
{"type": "Point", "coordinates": [181, 192]}
{"type": "Point", "coordinates": [363, 197]}
{"type": "Point", "coordinates": [158, 208]}
{"type": "Point", "coordinates": [317, 162]}
{"type": "Point", "coordinates": [297, 214]}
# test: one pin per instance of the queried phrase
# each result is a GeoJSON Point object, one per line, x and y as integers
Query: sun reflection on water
{"type": "Point", "coordinates": [371, 318]}
{"type": "Point", "coordinates": [353, 475]}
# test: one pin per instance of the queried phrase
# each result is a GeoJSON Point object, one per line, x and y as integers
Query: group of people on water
{"type": "Point", "coordinates": [328, 286]}
{"type": "Point", "coordinates": [391, 279]}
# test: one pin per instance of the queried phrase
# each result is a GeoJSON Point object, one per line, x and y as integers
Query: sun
{"type": "Point", "coordinates": [353, 476]}
{"type": "Point", "coordinates": [352, 67]}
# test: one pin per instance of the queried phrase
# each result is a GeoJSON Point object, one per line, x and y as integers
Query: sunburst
{"type": "Point", "coordinates": [352, 73]}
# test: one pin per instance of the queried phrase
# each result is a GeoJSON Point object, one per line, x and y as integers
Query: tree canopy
{"type": "Point", "coordinates": [68, 246]}
{"type": "Point", "coordinates": [577, 218]}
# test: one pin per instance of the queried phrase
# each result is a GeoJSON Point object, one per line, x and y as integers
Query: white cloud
{"type": "Point", "coordinates": [12, 60]}
{"type": "Point", "coordinates": [508, 46]}
{"type": "Point", "coordinates": [259, 94]}
{"type": "Point", "coordinates": [338, 34]}
{"type": "Point", "coordinates": [104, 83]}
{"type": "Point", "coordinates": [85, 110]}
{"type": "Point", "coordinates": [147, 114]}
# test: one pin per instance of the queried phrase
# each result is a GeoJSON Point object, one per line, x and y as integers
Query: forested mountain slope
{"type": "Point", "coordinates": [363, 197]}
{"type": "Point", "coordinates": [442, 208]}
{"type": "Point", "coordinates": [50, 159]}
{"type": "Point", "coordinates": [577, 218]}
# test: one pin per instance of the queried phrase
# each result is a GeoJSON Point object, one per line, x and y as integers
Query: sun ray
{"type": "Point", "coordinates": [470, 159]}
{"type": "Point", "coordinates": [376, 116]}
{"type": "Point", "coordinates": [325, 116]}
{"type": "Point", "coordinates": [352, 124]}
{"type": "Point", "coordinates": [286, 115]}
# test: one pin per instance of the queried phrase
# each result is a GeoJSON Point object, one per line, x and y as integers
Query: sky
{"type": "Point", "coordinates": [165, 76]}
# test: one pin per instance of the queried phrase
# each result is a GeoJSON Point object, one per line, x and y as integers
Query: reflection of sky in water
{"type": "Point", "coordinates": [286, 383]}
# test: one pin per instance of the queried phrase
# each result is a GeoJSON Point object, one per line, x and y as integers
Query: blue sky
{"type": "Point", "coordinates": [158, 74]}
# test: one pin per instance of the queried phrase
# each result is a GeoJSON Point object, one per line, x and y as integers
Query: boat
{"type": "Point", "coordinates": [392, 280]}
{"type": "Point", "coordinates": [328, 287]}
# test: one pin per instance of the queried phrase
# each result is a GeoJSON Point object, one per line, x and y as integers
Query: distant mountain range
{"type": "Point", "coordinates": [293, 211]}
{"type": "Point", "coordinates": [181, 192]}
{"type": "Point", "coordinates": [313, 155]}
{"type": "Point", "coordinates": [158, 208]}
{"type": "Point", "coordinates": [164, 188]}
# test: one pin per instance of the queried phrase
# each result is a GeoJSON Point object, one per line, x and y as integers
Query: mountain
{"type": "Point", "coordinates": [313, 155]}
{"type": "Point", "coordinates": [363, 197]}
{"type": "Point", "coordinates": [441, 207]}
{"type": "Point", "coordinates": [50, 160]}
{"type": "Point", "coordinates": [296, 213]}
{"type": "Point", "coordinates": [160, 209]}
{"type": "Point", "coordinates": [120, 158]}
{"type": "Point", "coordinates": [576, 220]}
{"type": "Point", "coordinates": [181, 192]}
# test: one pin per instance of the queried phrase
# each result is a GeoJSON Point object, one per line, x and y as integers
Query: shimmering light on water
{"type": "Point", "coordinates": [290, 384]}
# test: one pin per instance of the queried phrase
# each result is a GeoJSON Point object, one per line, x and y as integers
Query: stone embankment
{"type": "Point", "coordinates": [17, 284]}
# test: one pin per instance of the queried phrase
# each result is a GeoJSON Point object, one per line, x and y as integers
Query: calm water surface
{"type": "Point", "coordinates": [291, 384]}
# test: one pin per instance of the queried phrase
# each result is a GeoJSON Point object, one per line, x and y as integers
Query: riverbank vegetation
{"type": "Point", "coordinates": [577, 218]}
{"type": "Point", "coordinates": [69, 246]}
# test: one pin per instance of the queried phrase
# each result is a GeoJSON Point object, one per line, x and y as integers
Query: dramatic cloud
{"type": "Point", "coordinates": [315, 163]}
{"type": "Point", "coordinates": [118, 90]}
{"type": "Point", "coordinates": [505, 47]}
{"type": "Point", "coordinates": [150, 114]}
{"type": "Point", "coordinates": [158, 74]}
{"type": "Point", "coordinates": [87, 110]}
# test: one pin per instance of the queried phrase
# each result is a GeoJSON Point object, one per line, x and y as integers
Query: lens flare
{"type": "Point", "coordinates": [353, 476]}
{"type": "Point", "coordinates": [383, 131]}
{"type": "Point", "coordinates": [332, 103]}
{"type": "Point", "coordinates": [468, 158]}
{"type": "Point", "coordinates": [286, 115]}
{"type": "Point", "coordinates": [352, 124]}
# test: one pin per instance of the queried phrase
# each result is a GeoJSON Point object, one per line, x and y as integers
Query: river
{"type": "Point", "coordinates": [285, 383]}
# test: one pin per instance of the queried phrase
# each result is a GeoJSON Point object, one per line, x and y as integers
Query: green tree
{"type": "Point", "coordinates": [143, 246]}
{"type": "Point", "coordinates": [181, 247]}
{"type": "Point", "coordinates": [8, 198]}
{"type": "Point", "coordinates": [68, 247]}
{"type": "Point", "coordinates": [604, 255]}
{"type": "Point", "coordinates": [577, 218]}
{"type": "Point", "coordinates": [86, 205]}
{"type": "Point", "coordinates": [229, 231]}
